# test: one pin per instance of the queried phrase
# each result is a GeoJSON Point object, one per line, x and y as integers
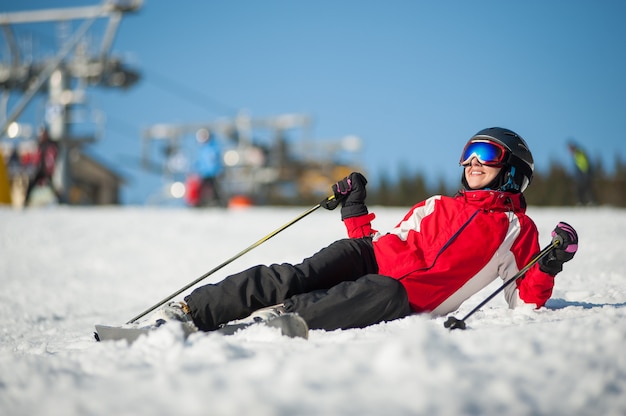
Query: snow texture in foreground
{"type": "Point", "coordinates": [62, 270]}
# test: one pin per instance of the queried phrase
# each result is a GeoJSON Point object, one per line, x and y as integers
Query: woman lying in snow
{"type": "Point", "coordinates": [443, 251]}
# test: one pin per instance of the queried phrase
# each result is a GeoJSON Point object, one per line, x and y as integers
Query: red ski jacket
{"type": "Point", "coordinates": [446, 249]}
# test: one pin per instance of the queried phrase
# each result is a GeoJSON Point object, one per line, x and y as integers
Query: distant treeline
{"type": "Point", "coordinates": [556, 187]}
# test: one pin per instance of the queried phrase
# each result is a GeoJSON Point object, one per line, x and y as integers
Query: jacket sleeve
{"type": "Point", "coordinates": [360, 226]}
{"type": "Point", "coordinates": [535, 287]}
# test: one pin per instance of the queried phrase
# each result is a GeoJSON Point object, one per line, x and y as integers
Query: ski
{"type": "Point", "coordinates": [130, 334]}
{"type": "Point", "coordinates": [290, 325]}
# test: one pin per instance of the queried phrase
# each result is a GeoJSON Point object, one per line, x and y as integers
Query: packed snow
{"type": "Point", "coordinates": [64, 269]}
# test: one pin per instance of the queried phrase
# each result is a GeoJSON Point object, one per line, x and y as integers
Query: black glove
{"type": "Point", "coordinates": [350, 191]}
{"type": "Point", "coordinates": [552, 263]}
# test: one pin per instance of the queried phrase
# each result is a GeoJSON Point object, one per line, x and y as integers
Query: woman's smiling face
{"type": "Point", "coordinates": [478, 175]}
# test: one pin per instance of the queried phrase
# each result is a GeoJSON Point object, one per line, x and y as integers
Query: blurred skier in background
{"type": "Point", "coordinates": [584, 174]}
{"type": "Point", "coordinates": [45, 163]}
{"type": "Point", "coordinates": [204, 185]}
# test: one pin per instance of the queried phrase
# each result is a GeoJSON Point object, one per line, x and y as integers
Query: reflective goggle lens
{"type": "Point", "coordinates": [487, 153]}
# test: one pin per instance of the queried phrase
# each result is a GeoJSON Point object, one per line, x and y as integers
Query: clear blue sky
{"type": "Point", "coordinates": [413, 79]}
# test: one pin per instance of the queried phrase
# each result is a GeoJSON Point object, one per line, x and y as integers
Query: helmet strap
{"type": "Point", "coordinates": [510, 185]}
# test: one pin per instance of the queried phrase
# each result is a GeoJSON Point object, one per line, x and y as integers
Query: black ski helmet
{"type": "Point", "coordinates": [519, 166]}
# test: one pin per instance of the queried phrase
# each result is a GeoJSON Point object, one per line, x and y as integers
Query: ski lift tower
{"type": "Point", "coordinates": [65, 75]}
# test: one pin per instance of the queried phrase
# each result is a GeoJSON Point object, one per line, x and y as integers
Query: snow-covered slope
{"type": "Point", "coordinates": [64, 269]}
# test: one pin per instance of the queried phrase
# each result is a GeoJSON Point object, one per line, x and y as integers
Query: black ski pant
{"type": "Point", "coordinates": [338, 287]}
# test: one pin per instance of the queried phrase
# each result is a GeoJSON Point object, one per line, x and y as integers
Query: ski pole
{"type": "Point", "coordinates": [233, 258]}
{"type": "Point", "coordinates": [454, 323]}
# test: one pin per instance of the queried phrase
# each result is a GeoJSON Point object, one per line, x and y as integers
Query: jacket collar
{"type": "Point", "coordinates": [495, 200]}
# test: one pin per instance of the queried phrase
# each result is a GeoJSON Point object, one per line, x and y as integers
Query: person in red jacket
{"type": "Point", "coordinates": [443, 251]}
{"type": "Point", "coordinates": [45, 164]}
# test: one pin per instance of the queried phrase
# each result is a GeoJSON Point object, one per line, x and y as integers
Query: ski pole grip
{"type": "Point", "coordinates": [330, 202]}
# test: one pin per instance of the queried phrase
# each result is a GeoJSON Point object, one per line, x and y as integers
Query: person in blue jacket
{"type": "Point", "coordinates": [209, 167]}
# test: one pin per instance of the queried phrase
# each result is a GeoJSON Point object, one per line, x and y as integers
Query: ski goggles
{"type": "Point", "coordinates": [487, 152]}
